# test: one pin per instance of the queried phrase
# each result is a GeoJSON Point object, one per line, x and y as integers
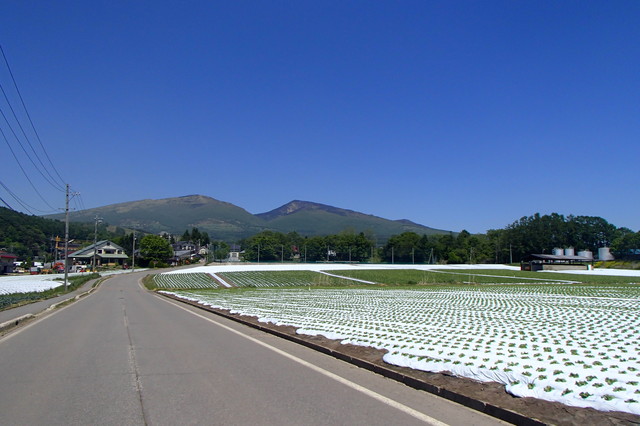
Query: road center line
{"type": "Point", "coordinates": [390, 402]}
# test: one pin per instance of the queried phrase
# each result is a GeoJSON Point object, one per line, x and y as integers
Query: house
{"type": "Point", "coordinates": [182, 251]}
{"type": "Point", "coordinates": [184, 246]}
{"type": "Point", "coordinates": [7, 262]}
{"type": "Point", "coordinates": [106, 253]}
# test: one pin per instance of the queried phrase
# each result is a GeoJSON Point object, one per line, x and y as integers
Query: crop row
{"type": "Point", "coordinates": [185, 281]}
{"type": "Point", "coordinates": [264, 279]}
{"type": "Point", "coordinates": [574, 346]}
{"type": "Point", "coordinates": [27, 286]}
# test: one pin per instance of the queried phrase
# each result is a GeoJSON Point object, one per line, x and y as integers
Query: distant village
{"type": "Point", "coordinates": [107, 254]}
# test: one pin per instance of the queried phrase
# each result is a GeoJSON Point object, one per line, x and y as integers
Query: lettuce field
{"type": "Point", "coordinates": [575, 343]}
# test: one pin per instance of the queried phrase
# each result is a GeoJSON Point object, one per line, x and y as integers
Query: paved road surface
{"type": "Point", "coordinates": [124, 356]}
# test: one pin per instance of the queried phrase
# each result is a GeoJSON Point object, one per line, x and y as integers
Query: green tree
{"type": "Point", "coordinates": [627, 244]}
{"type": "Point", "coordinates": [404, 248]}
{"type": "Point", "coordinates": [154, 249]}
{"type": "Point", "coordinates": [219, 250]}
{"type": "Point", "coordinates": [267, 246]}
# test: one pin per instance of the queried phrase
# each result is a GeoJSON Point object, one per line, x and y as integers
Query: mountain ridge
{"type": "Point", "coordinates": [229, 222]}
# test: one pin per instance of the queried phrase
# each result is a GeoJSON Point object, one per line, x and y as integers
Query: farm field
{"type": "Point", "coordinates": [12, 284]}
{"type": "Point", "coordinates": [27, 284]}
{"type": "Point", "coordinates": [185, 280]}
{"type": "Point", "coordinates": [249, 279]}
{"type": "Point", "coordinates": [15, 289]}
{"type": "Point", "coordinates": [575, 343]}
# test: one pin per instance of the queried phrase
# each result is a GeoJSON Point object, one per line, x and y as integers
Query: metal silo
{"type": "Point", "coordinates": [604, 254]}
{"type": "Point", "coordinates": [586, 253]}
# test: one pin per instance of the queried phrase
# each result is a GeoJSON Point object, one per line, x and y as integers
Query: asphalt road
{"type": "Point", "coordinates": [124, 356]}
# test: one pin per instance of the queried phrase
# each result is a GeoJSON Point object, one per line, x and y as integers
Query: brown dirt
{"type": "Point", "coordinates": [488, 397]}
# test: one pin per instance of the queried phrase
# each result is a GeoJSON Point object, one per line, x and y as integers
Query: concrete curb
{"type": "Point", "coordinates": [475, 404]}
{"type": "Point", "coordinates": [8, 325]}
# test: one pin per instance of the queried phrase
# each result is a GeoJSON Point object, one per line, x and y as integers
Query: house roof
{"type": "Point", "coordinates": [556, 258]}
{"type": "Point", "coordinates": [88, 251]}
{"type": "Point", "coordinates": [113, 256]}
{"type": "Point", "coordinates": [182, 254]}
{"type": "Point", "coordinates": [5, 255]}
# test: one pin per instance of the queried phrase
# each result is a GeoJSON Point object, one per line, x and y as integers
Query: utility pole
{"type": "Point", "coordinates": [95, 242]}
{"type": "Point", "coordinates": [66, 240]}
{"type": "Point", "coordinates": [133, 254]}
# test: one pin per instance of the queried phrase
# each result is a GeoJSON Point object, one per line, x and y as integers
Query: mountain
{"type": "Point", "coordinates": [308, 218]}
{"type": "Point", "coordinates": [228, 222]}
{"type": "Point", "coordinates": [175, 215]}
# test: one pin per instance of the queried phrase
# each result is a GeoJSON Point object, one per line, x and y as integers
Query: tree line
{"type": "Point", "coordinates": [31, 236]}
{"type": "Point", "coordinates": [529, 235]}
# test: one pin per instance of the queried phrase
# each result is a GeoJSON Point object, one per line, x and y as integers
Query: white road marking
{"type": "Point", "coordinates": [390, 402]}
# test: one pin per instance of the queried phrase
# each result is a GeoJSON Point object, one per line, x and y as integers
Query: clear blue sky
{"type": "Point", "coordinates": [453, 114]}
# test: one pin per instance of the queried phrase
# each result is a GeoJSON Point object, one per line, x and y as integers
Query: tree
{"type": "Point", "coordinates": [627, 245]}
{"type": "Point", "coordinates": [404, 248]}
{"type": "Point", "coordinates": [154, 249]}
{"type": "Point", "coordinates": [219, 250]}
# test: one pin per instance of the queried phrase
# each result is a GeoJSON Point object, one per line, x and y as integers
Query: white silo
{"type": "Point", "coordinates": [569, 251]}
{"type": "Point", "coordinates": [558, 251]}
{"type": "Point", "coordinates": [604, 254]}
{"type": "Point", "coordinates": [586, 253]}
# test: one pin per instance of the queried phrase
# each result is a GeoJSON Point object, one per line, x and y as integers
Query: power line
{"type": "Point", "coordinates": [47, 172]}
{"type": "Point", "coordinates": [15, 197]}
{"type": "Point", "coordinates": [79, 201]}
{"type": "Point", "coordinates": [17, 120]}
{"type": "Point", "coordinates": [6, 204]}
{"type": "Point", "coordinates": [23, 203]}
{"type": "Point", "coordinates": [24, 106]}
{"type": "Point", "coordinates": [26, 153]}
{"type": "Point", "coordinates": [24, 172]}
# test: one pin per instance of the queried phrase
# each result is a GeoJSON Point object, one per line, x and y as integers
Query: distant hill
{"type": "Point", "coordinates": [228, 222]}
{"type": "Point", "coordinates": [308, 218]}
{"type": "Point", "coordinates": [28, 236]}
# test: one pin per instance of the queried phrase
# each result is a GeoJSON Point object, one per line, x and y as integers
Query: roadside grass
{"type": "Point", "coordinates": [148, 282]}
{"type": "Point", "coordinates": [8, 301]}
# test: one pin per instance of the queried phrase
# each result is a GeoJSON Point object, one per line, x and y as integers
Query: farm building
{"type": "Point", "coordinates": [554, 262]}
{"type": "Point", "coordinates": [6, 262]}
{"type": "Point", "coordinates": [234, 253]}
